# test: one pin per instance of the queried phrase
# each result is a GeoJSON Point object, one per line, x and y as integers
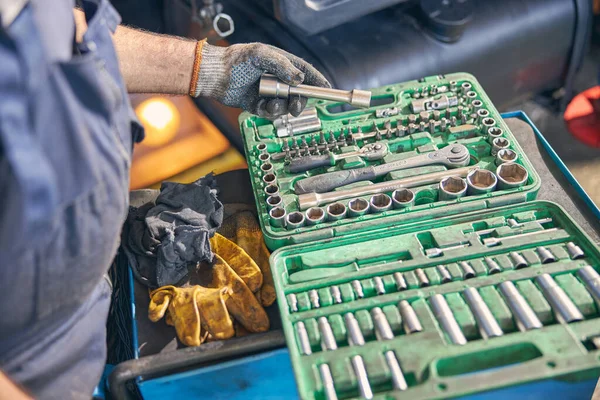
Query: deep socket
{"type": "Point", "coordinates": [444, 274]}
{"type": "Point", "coordinates": [421, 277]}
{"type": "Point", "coordinates": [303, 338]}
{"type": "Point", "coordinates": [357, 289]}
{"type": "Point", "coordinates": [518, 260]}
{"type": "Point", "coordinates": [327, 338]}
{"type": "Point", "coordinates": [314, 298]}
{"type": "Point", "coordinates": [467, 271]}
{"type": "Point", "coordinates": [358, 365]}
{"type": "Point", "coordinates": [487, 324]}
{"type": "Point", "coordinates": [293, 302]}
{"type": "Point", "coordinates": [410, 321]}
{"type": "Point", "coordinates": [545, 255]}
{"type": "Point", "coordinates": [355, 336]}
{"type": "Point", "coordinates": [400, 281]}
{"type": "Point", "coordinates": [562, 305]}
{"type": "Point", "coordinates": [591, 279]}
{"type": "Point", "coordinates": [524, 316]}
{"type": "Point", "coordinates": [575, 252]}
{"type": "Point", "coordinates": [493, 267]}
{"type": "Point", "coordinates": [328, 385]}
{"type": "Point", "coordinates": [383, 330]}
{"type": "Point", "coordinates": [379, 286]}
{"type": "Point", "coordinates": [398, 380]}
{"type": "Point", "coordinates": [336, 294]}
{"type": "Point", "coordinates": [444, 315]}
{"type": "Point", "coordinates": [269, 179]}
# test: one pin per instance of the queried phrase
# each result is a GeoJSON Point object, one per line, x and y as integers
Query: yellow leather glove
{"type": "Point", "coordinates": [192, 310]}
{"type": "Point", "coordinates": [243, 229]}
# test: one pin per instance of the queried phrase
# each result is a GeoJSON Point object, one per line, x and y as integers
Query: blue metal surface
{"type": "Point", "coordinates": [270, 376]}
{"type": "Point", "coordinates": [565, 170]}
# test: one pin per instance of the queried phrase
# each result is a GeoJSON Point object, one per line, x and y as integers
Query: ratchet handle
{"type": "Point", "coordinates": [307, 163]}
{"type": "Point", "coordinates": [331, 180]}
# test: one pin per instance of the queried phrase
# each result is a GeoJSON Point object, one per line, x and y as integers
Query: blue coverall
{"type": "Point", "coordinates": [66, 135]}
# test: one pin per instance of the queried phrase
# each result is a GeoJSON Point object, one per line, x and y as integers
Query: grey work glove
{"type": "Point", "coordinates": [231, 76]}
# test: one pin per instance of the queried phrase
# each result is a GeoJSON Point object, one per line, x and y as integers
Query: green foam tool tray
{"type": "Point", "coordinates": [390, 121]}
{"type": "Point", "coordinates": [331, 282]}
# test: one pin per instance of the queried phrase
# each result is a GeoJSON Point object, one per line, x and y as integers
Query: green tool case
{"type": "Point", "coordinates": [397, 286]}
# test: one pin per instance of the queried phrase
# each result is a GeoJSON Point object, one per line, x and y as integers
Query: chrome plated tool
{"type": "Point", "coordinates": [452, 156]}
{"type": "Point", "coordinates": [369, 152]}
{"type": "Point", "coordinates": [487, 324]}
{"type": "Point", "coordinates": [444, 315]}
{"type": "Point", "coordinates": [524, 316]}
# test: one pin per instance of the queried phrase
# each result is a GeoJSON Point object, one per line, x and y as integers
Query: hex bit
{"type": "Point", "coordinates": [421, 277]}
{"type": "Point", "coordinates": [444, 274]}
{"type": "Point", "coordinates": [379, 286]}
{"type": "Point", "coordinates": [487, 324]}
{"type": "Point", "coordinates": [524, 316]}
{"type": "Point", "coordinates": [518, 260]}
{"type": "Point", "coordinates": [328, 386]}
{"type": "Point", "coordinates": [444, 315]}
{"type": "Point", "coordinates": [314, 298]}
{"type": "Point", "coordinates": [566, 311]}
{"type": "Point", "coordinates": [467, 271]}
{"type": "Point", "coordinates": [327, 338]}
{"type": "Point", "coordinates": [303, 338]}
{"type": "Point", "coordinates": [357, 289]}
{"type": "Point", "coordinates": [336, 294]}
{"type": "Point", "coordinates": [400, 281]}
{"type": "Point", "coordinates": [410, 321]}
{"type": "Point", "coordinates": [574, 251]}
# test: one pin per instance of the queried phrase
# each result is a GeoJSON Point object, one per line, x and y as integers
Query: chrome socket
{"type": "Point", "coordinates": [314, 216]}
{"type": "Point", "coordinates": [380, 202]}
{"type": "Point", "coordinates": [493, 133]}
{"type": "Point", "coordinates": [518, 260]}
{"type": "Point", "coordinates": [403, 198]}
{"type": "Point", "coordinates": [448, 322]}
{"type": "Point", "coordinates": [294, 220]}
{"type": "Point", "coordinates": [467, 271]}
{"type": "Point", "coordinates": [271, 190]}
{"type": "Point", "coordinates": [264, 157]}
{"type": "Point", "coordinates": [269, 179]}
{"type": "Point", "coordinates": [562, 305]}
{"type": "Point", "coordinates": [274, 201]}
{"type": "Point", "coordinates": [358, 207]}
{"type": "Point", "coordinates": [482, 114]}
{"type": "Point", "coordinates": [545, 255]}
{"type": "Point", "coordinates": [379, 286]}
{"type": "Point", "coordinates": [262, 148]}
{"type": "Point", "coordinates": [575, 252]}
{"type": "Point", "coordinates": [336, 294]}
{"type": "Point", "coordinates": [488, 122]}
{"type": "Point", "coordinates": [357, 289]}
{"type": "Point", "coordinates": [444, 273]}
{"type": "Point", "coordinates": [421, 277]}
{"type": "Point", "coordinates": [336, 211]}
{"type": "Point", "coordinates": [465, 87]}
{"type": "Point", "coordinates": [314, 298]}
{"type": "Point", "coordinates": [452, 85]}
{"type": "Point", "coordinates": [488, 326]}
{"type": "Point", "coordinates": [591, 279]}
{"type": "Point", "coordinates": [452, 188]}
{"type": "Point", "coordinates": [498, 144]}
{"type": "Point", "coordinates": [410, 321]}
{"type": "Point", "coordinates": [524, 315]}
{"type": "Point", "coordinates": [400, 281]}
{"type": "Point", "coordinates": [277, 217]}
{"type": "Point", "coordinates": [471, 94]}
{"type": "Point", "coordinates": [506, 156]}
{"type": "Point", "coordinates": [476, 104]}
{"type": "Point", "coordinates": [328, 341]}
{"type": "Point", "coordinates": [511, 175]}
{"type": "Point", "coordinates": [303, 338]}
{"type": "Point", "coordinates": [266, 168]}
{"type": "Point", "coordinates": [493, 267]}
{"type": "Point", "coordinates": [481, 181]}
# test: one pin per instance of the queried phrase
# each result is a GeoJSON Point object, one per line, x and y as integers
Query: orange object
{"type": "Point", "coordinates": [196, 70]}
{"type": "Point", "coordinates": [582, 116]}
{"type": "Point", "coordinates": [163, 153]}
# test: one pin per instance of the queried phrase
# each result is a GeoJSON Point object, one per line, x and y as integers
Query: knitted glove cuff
{"type": "Point", "coordinates": [213, 76]}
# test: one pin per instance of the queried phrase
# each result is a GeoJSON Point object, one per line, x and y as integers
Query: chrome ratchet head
{"type": "Point", "coordinates": [452, 156]}
{"type": "Point", "coordinates": [375, 151]}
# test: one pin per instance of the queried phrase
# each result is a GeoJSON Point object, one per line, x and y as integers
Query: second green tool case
{"type": "Point", "coordinates": [396, 286]}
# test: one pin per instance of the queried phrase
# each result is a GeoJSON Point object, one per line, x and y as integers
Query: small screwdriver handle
{"type": "Point", "coordinates": [307, 163]}
{"type": "Point", "coordinates": [331, 180]}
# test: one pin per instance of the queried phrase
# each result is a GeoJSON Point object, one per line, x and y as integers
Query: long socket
{"type": "Point", "coordinates": [383, 330]}
{"type": "Point", "coordinates": [328, 386]}
{"type": "Point", "coordinates": [327, 338]}
{"type": "Point", "coordinates": [398, 380]}
{"type": "Point", "coordinates": [591, 279]}
{"type": "Point", "coordinates": [410, 321]}
{"type": "Point", "coordinates": [487, 324]}
{"type": "Point", "coordinates": [524, 316]}
{"type": "Point", "coordinates": [356, 338]}
{"type": "Point", "coordinates": [270, 86]}
{"type": "Point", "coordinates": [444, 315]}
{"type": "Point", "coordinates": [308, 200]}
{"type": "Point", "coordinates": [303, 338]}
{"type": "Point", "coordinates": [562, 305]}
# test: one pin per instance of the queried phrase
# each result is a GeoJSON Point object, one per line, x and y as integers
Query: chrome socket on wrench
{"type": "Point", "coordinates": [498, 144]}
{"type": "Point", "coordinates": [294, 220]}
{"type": "Point", "coordinates": [380, 202]}
{"type": "Point", "coordinates": [271, 190]}
{"type": "Point", "coordinates": [403, 198]}
{"type": "Point", "coordinates": [444, 315]}
{"type": "Point", "coordinates": [277, 217]}
{"type": "Point", "coordinates": [563, 307]}
{"type": "Point", "coordinates": [452, 188]}
{"type": "Point", "coordinates": [358, 207]}
{"type": "Point", "coordinates": [493, 133]}
{"type": "Point", "coordinates": [336, 211]}
{"type": "Point", "coordinates": [274, 201]}
{"type": "Point", "coordinates": [314, 216]}
{"type": "Point", "coordinates": [524, 316]}
{"type": "Point", "coordinates": [511, 175]}
{"type": "Point", "coordinates": [506, 156]}
{"type": "Point", "coordinates": [270, 179]}
{"type": "Point", "coordinates": [487, 324]}
{"type": "Point", "coordinates": [410, 321]}
{"type": "Point", "coordinates": [481, 181]}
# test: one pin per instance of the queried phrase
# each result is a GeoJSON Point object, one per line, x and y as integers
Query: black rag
{"type": "Point", "coordinates": [164, 238]}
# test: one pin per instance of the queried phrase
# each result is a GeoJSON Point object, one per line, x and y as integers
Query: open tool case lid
{"type": "Point", "coordinates": [392, 108]}
{"type": "Point", "coordinates": [434, 363]}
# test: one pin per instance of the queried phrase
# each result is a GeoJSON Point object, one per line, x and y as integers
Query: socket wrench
{"type": "Point", "coordinates": [452, 156]}
{"type": "Point", "coordinates": [270, 86]}
{"type": "Point", "coordinates": [370, 152]}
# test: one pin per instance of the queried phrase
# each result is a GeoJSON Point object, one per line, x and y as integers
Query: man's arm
{"type": "Point", "coordinates": [10, 391]}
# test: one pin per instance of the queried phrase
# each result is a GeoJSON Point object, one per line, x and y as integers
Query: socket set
{"type": "Point", "coordinates": [436, 147]}
{"type": "Point", "coordinates": [462, 304]}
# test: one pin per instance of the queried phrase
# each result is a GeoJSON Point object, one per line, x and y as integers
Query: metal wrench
{"type": "Point", "coordinates": [452, 156]}
{"type": "Point", "coordinates": [370, 152]}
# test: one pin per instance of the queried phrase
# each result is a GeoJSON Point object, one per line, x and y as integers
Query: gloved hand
{"type": "Point", "coordinates": [215, 296]}
{"type": "Point", "coordinates": [231, 76]}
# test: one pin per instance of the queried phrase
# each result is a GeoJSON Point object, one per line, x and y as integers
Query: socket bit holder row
{"type": "Point", "coordinates": [408, 127]}
{"type": "Point", "coordinates": [378, 328]}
